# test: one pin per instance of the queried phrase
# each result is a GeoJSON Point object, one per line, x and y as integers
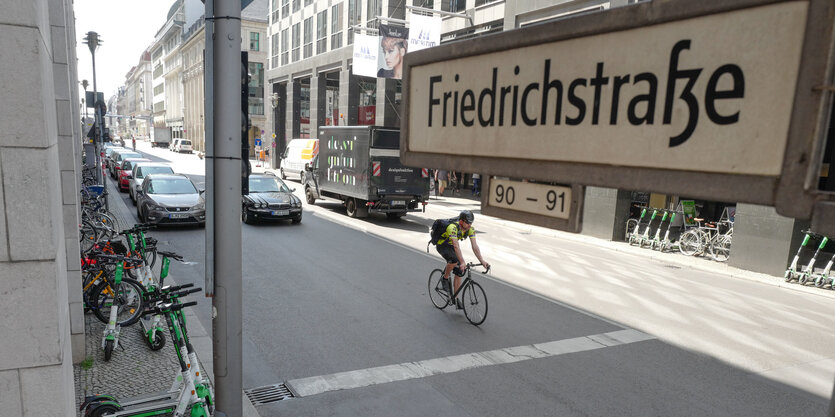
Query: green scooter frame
{"type": "Point", "coordinates": [822, 279]}
{"type": "Point", "coordinates": [808, 271]}
{"type": "Point", "coordinates": [792, 272]}
{"type": "Point", "coordinates": [645, 236]}
{"type": "Point", "coordinates": [665, 243]}
{"type": "Point", "coordinates": [633, 235]}
{"type": "Point", "coordinates": [656, 240]}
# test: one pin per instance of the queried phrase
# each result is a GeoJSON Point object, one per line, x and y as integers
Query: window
{"type": "Point", "coordinates": [308, 37]}
{"type": "Point", "coordinates": [256, 88]}
{"type": "Point", "coordinates": [322, 32]}
{"type": "Point", "coordinates": [274, 50]}
{"type": "Point", "coordinates": [308, 2]}
{"type": "Point", "coordinates": [336, 26]}
{"type": "Point", "coordinates": [158, 71]}
{"type": "Point", "coordinates": [285, 47]}
{"type": "Point", "coordinates": [254, 41]}
{"type": "Point", "coordinates": [296, 41]}
{"type": "Point", "coordinates": [159, 89]}
{"type": "Point", "coordinates": [353, 18]}
{"type": "Point", "coordinates": [375, 8]}
{"type": "Point", "coordinates": [297, 5]}
{"type": "Point", "coordinates": [275, 11]}
{"type": "Point", "coordinates": [454, 6]}
{"type": "Point", "coordinates": [481, 2]}
{"type": "Point", "coordinates": [285, 8]}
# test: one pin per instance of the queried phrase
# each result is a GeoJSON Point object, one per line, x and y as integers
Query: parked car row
{"type": "Point", "coordinates": [162, 196]}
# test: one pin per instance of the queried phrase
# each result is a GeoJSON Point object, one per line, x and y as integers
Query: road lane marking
{"type": "Point", "coordinates": [305, 387]}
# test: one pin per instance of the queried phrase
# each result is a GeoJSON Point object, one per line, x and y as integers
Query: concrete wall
{"type": "Point", "coordinates": [605, 211]}
{"type": "Point", "coordinates": [38, 219]}
{"type": "Point", "coordinates": [764, 241]}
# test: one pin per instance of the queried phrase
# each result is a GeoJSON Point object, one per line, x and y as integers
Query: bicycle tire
{"type": "Point", "coordinates": [88, 235]}
{"type": "Point", "coordinates": [131, 290]}
{"type": "Point", "coordinates": [720, 250]}
{"type": "Point", "coordinates": [439, 296]}
{"type": "Point", "coordinates": [475, 303]}
{"type": "Point", "coordinates": [689, 243]}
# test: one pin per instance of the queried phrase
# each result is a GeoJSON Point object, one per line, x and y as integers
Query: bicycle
{"type": "Point", "coordinates": [700, 238]}
{"type": "Point", "coordinates": [472, 295]}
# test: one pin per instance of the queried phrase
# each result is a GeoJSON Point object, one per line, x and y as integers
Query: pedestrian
{"type": "Point", "coordinates": [476, 185]}
{"type": "Point", "coordinates": [443, 179]}
{"type": "Point", "coordinates": [133, 140]}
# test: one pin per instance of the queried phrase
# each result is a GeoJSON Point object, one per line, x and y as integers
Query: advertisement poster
{"type": "Point", "coordinates": [365, 55]}
{"type": "Point", "coordinates": [394, 41]}
{"type": "Point", "coordinates": [688, 207]}
{"type": "Point", "coordinates": [424, 32]}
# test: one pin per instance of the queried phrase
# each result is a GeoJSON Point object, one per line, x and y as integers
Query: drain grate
{"type": "Point", "coordinates": [268, 394]}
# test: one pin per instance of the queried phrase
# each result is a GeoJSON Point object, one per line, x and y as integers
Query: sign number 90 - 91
{"type": "Point", "coordinates": [547, 200]}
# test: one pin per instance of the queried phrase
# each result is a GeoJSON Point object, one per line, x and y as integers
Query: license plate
{"type": "Point", "coordinates": [281, 212]}
{"type": "Point", "coordinates": [178, 215]}
{"type": "Point", "coordinates": [398, 203]}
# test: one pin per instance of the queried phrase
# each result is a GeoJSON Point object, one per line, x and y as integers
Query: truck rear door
{"type": "Point", "coordinates": [387, 173]}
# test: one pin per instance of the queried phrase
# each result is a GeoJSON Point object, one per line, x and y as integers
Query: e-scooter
{"type": "Point", "coordinates": [645, 236]}
{"type": "Point", "coordinates": [665, 243]}
{"type": "Point", "coordinates": [792, 272]}
{"type": "Point", "coordinates": [820, 281]}
{"type": "Point", "coordinates": [806, 275]}
{"type": "Point", "coordinates": [632, 235]}
{"type": "Point", "coordinates": [656, 240]}
{"type": "Point", "coordinates": [182, 399]}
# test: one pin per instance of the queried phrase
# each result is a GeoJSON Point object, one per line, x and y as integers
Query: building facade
{"type": "Point", "coordinates": [139, 96]}
{"type": "Point", "coordinates": [40, 175]}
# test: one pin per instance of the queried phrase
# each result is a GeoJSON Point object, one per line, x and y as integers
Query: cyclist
{"type": "Point", "coordinates": [448, 248]}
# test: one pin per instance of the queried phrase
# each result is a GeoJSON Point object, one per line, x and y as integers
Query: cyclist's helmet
{"type": "Point", "coordinates": [466, 216]}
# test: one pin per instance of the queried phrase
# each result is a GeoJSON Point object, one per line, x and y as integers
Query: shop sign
{"type": "Point", "coordinates": [672, 97]}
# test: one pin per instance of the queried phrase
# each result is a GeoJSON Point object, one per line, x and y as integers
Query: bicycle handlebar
{"type": "Point", "coordinates": [171, 255]}
{"type": "Point", "coordinates": [470, 265]}
{"type": "Point", "coordinates": [116, 258]}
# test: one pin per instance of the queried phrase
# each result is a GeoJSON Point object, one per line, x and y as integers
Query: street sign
{"type": "Point", "coordinates": [704, 99]}
{"type": "Point", "coordinates": [554, 206]}
{"type": "Point", "coordinates": [257, 141]}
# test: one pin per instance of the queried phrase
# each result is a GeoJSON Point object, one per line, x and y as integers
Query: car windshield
{"type": "Point", "coordinates": [143, 171]}
{"type": "Point", "coordinates": [267, 185]}
{"type": "Point", "coordinates": [124, 156]}
{"type": "Point", "coordinates": [172, 186]}
{"type": "Point", "coordinates": [185, 142]}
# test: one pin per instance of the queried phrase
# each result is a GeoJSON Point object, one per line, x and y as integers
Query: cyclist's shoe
{"type": "Point", "coordinates": [447, 286]}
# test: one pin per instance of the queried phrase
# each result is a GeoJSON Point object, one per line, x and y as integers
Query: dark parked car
{"type": "Point", "coordinates": [270, 199]}
{"type": "Point", "coordinates": [170, 199]}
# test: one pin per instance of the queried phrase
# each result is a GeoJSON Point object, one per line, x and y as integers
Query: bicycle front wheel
{"type": "Point", "coordinates": [437, 293]}
{"type": "Point", "coordinates": [721, 249]}
{"type": "Point", "coordinates": [689, 243]}
{"type": "Point", "coordinates": [475, 303]}
{"type": "Point", "coordinates": [88, 236]}
{"type": "Point", "coordinates": [126, 297]}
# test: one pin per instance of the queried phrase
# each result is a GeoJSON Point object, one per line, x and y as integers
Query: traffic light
{"type": "Point", "coordinates": [246, 168]}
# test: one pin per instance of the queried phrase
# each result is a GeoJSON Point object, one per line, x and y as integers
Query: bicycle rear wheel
{"type": "Point", "coordinates": [689, 243]}
{"type": "Point", "coordinates": [128, 300]}
{"type": "Point", "coordinates": [475, 303]}
{"type": "Point", "coordinates": [437, 293]}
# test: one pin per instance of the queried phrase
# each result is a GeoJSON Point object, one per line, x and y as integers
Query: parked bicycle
{"type": "Point", "coordinates": [713, 239]}
{"type": "Point", "coordinates": [472, 295]}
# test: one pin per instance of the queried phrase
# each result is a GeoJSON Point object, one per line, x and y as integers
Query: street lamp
{"type": "Point", "coordinates": [92, 40]}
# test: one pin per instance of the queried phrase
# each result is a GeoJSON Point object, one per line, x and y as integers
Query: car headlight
{"type": "Point", "coordinates": [199, 206]}
{"type": "Point", "coordinates": [156, 207]}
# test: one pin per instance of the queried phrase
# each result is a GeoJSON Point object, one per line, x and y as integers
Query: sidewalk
{"type": "Point", "coordinates": [135, 369]}
{"type": "Point", "coordinates": [453, 203]}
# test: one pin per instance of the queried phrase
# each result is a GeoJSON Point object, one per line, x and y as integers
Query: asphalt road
{"type": "Point", "coordinates": [338, 310]}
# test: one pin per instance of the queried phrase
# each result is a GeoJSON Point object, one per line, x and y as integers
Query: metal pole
{"type": "Point", "coordinates": [226, 326]}
{"type": "Point", "coordinates": [99, 128]}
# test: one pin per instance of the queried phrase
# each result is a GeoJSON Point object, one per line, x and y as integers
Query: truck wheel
{"type": "Point", "coordinates": [351, 207]}
{"type": "Point", "coordinates": [309, 194]}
